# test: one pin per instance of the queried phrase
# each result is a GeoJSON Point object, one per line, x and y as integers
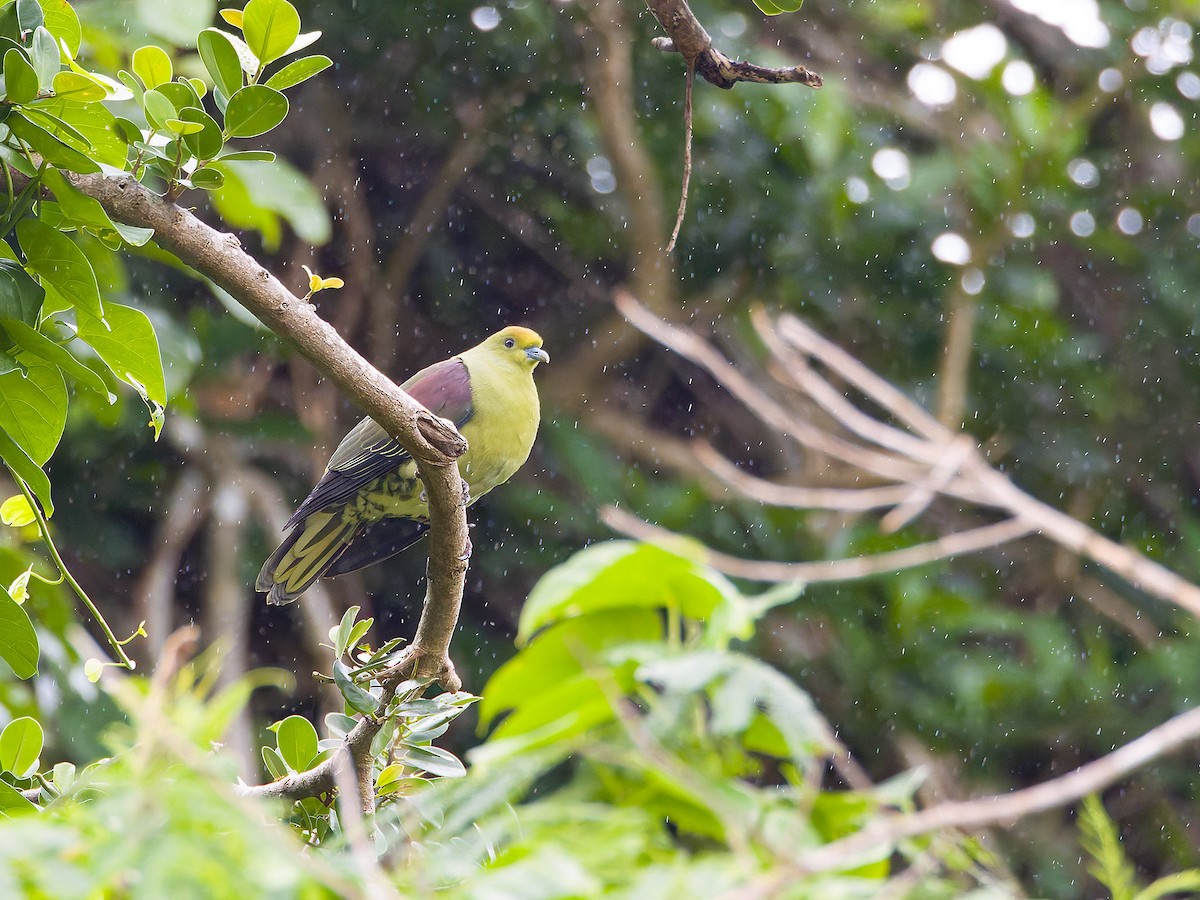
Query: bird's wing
{"type": "Point", "coordinates": [378, 541]}
{"type": "Point", "coordinates": [367, 451]}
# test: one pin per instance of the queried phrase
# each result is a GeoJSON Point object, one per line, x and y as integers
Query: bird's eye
{"type": "Point", "coordinates": [510, 343]}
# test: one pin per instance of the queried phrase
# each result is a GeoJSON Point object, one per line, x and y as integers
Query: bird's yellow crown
{"type": "Point", "coordinates": [517, 343]}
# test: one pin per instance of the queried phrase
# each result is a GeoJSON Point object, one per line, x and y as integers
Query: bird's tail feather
{"type": "Point", "coordinates": [304, 555]}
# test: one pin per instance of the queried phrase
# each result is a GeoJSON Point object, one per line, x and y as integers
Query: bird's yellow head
{"type": "Point", "coordinates": [519, 345]}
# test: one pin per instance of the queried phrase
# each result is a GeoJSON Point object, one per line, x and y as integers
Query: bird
{"type": "Point", "coordinates": [370, 503]}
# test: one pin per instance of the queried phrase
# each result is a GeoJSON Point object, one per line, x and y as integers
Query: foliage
{"type": "Point", "coordinates": [1113, 869]}
{"type": "Point", "coordinates": [689, 767]}
{"type": "Point", "coordinates": [648, 757]}
{"type": "Point", "coordinates": [475, 186]}
{"type": "Point", "coordinates": [55, 328]}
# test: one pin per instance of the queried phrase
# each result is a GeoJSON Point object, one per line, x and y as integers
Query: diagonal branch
{"type": "Point", "coordinates": [433, 442]}
{"type": "Point", "coordinates": [1004, 809]}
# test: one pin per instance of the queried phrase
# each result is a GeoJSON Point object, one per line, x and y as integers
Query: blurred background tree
{"type": "Point", "coordinates": [993, 205]}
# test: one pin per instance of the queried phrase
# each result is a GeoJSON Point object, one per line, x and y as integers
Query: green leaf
{"type": "Point", "coordinates": [158, 109]}
{"type": "Point", "coordinates": [777, 7]}
{"type": "Point", "coordinates": [340, 634]}
{"type": "Point", "coordinates": [1185, 882]}
{"type": "Point", "coordinates": [297, 742]}
{"type": "Point", "coordinates": [274, 762]}
{"type": "Point", "coordinates": [62, 22]}
{"type": "Point", "coordinates": [17, 513]}
{"type": "Point", "coordinates": [744, 687]}
{"type": "Point", "coordinates": [33, 408]}
{"type": "Point", "coordinates": [206, 141]}
{"type": "Point", "coordinates": [61, 265]}
{"type": "Point", "coordinates": [625, 574]}
{"type": "Point", "coordinates": [181, 94]}
{"type": "Point", "coordinates": [63, 775]}
{"type": "Point", "coordinates": [33, 341]}
{"type": "Point", "coordinates": [18, 641]}
{"type": "Point", "coordinates": [248, 156]}
{"type": "Point", "coordinates": [561, 652]}
{"type": "Point", "coordinates": [270, 28]}
{"type": "Point", "coordinates": [87, 211]}
{"type": "Point", "coordinates": [44, 54]}
{"type": "Point", "coordinates": [78, 86]}
{"type": "Point", "coordinates": [20, 745]}
{"type": "Point", "coordinates": [61, 129]}
{"type": "Point", "coordinates": [182, 129]}
{"type": "Point", "coordinates": [254, 110]}
{"type": "Point", "coordinates": [564, 709]}
{"type": "Point", "coordinates": [20, 78]}
{"type": "Point", "coordinates": [339, 724]}
{"type": "Point", "coordinates": [97, 125]}
{"type": "Point", "coordinates": [433, 760]}
{"type": "Point", "coordinates": [356, 698]}
{"type": "Point", "coordinates": [20, 296]}
{"type": "Point", "coordinates": [358, 632]}
{"type": "Point", "coordinates": [12, 803]}
{"type": "Point", "coordinates": [299, 71]}
{"type": "Point", "coordinates": [152, 65]}
{"type": "Point", "coordinates": [29, 15]}
{"type": "Point", "coordinates": [221, 60]}
{"type": "Point", "coordinates": [51, 147]}
{"type": "Point", "coordinates": [1100, 839]}
{"type": "Point", "coordinates": [130, 349]}
{"type": "Point", "coordinates": [303, 41]}
{"type": "Point", "coordinates": [28, 471]}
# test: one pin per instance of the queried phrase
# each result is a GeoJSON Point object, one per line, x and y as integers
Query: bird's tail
{"type": "Point", "coordinates": [312, 547]}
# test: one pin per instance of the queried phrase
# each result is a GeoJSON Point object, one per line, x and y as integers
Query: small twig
{"type": "Point", "coordinates": [759, 402]}
{"type": "Point", "coordinates": [946, 547]}
{"type": "Point", "coordinates": [44, 530]}
{"type": "Point", "coordinates": [807, 340]}
{"type": "Point", "coordinates": [1005, 809]}
{"type": "Point", "coordinates": [797, 496]}
{"type": "Point", "coordinates": [944, 471]}
{"type": "Point", "coordinates": [687, 37]}
{"type": "Point", "coordinates": [687, 153]}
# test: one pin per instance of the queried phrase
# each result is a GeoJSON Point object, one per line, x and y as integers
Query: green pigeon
{"type": "Point", "coordinates": [370, 503]}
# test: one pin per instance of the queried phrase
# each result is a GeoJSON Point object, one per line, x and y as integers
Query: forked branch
{"type": "Point", "coordinates": [918, 457]}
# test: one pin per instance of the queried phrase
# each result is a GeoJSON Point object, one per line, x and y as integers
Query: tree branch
{"type": "Point", "coordinates": [1004, 809]}
{"type": "Point", "coordinates": [945, 547]}
{"type": "Point", "coordinates": [687, 37]}
{"type": "Point", "coordinates": [931, 458]}
{"type": "Point", "coordinates": [433, 442]}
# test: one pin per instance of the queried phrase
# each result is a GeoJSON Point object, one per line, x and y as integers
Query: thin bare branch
{"type": "Point", "coordinates": [1005, 809]}
{"type": "Point", "coordinates": [687, 154]}
{"type": "Point", "coordinates": [765, 407]}
{"type": "Point", "coordinates": [833, 401]}
{"type": "Point", "coordinates": [798, 496]}
{"type": "Point", "coordinates": [946, 547]}
{"type": "Point", "coordinates": [973, 480]}
{"type": "Point", "coordinates": [807, 340]}
{"type": "Point", "coordinates": [957, 344]}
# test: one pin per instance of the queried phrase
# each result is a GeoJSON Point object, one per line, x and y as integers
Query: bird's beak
{"type": "Point", "coordinates": [538, 353]}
